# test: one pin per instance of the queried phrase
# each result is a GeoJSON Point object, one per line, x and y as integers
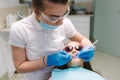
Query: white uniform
{"type": "Point", "coordinates": [39, 42]}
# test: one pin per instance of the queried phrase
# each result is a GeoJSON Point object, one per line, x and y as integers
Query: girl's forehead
{"type": "Point", "coordinates": [73, 43]}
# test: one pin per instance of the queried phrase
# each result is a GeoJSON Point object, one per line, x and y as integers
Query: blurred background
{"type": "Point", "coordinates": [95, 19]}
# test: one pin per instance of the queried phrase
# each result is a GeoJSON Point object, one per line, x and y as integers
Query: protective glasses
{"type": "Point", "coordinates": [70, 48]}
{"type": "Point", "coordinates": [54, 18]}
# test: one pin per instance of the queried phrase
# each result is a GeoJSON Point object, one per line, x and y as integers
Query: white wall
{"type": "Point", "coordinates": [4, 35]}
{"type": "Point", "coordinates": [3, 67]}
{"type": "Point", "coordinates": [107, 26]}
{"type": "Point", "coordinates": [7, 3]}
{"type": "Point", "coordinates": [82, 0]}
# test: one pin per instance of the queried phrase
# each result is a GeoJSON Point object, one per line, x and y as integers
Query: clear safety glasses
{"type": "Point", "coordinates": [70, 48]}
{"type": "Point", "coordinates": [54, 19]}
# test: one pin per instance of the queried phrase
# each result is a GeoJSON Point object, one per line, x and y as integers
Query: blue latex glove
{"type": "Point", "coordinates": [86, 53]}
{"type": "Point", "coordinates": [58, 59]}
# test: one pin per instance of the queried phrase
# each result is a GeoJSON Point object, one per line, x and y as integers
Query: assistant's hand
{"type": "Point", "coordinates": [86, 53]}
{"type": "Point", "coordinates": [58, 59]}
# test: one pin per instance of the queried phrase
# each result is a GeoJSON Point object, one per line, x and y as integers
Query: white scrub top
{"type": "Point", "coordinates": [27, 33]}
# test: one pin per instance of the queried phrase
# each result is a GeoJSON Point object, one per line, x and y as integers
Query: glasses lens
{"type": "Point", "coordinates": [68, 48]}
{"type": "Point", "coordinates": [54, 18]}
{"type": "Point", "coordinates": [58, 18]}
{"type": "Point", "coordinates": [78, 48]}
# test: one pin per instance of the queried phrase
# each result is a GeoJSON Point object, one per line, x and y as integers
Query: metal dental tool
{"type": "Point", "coordinates": [92, 44]}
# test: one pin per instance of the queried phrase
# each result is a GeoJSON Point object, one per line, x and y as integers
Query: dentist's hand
{"type": "Point", "coordinates": [86, 53]}
{"type": "Point", "coordinates": [58, 59]}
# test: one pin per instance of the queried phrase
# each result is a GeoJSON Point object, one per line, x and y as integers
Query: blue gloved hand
{"type": "Point", "coordinates": [86, 53]}
{"type": "Point", "coordinates": [58, 59]}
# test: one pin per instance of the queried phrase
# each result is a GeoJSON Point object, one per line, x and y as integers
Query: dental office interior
{"type": "Point", "coordinates": [95, 19]}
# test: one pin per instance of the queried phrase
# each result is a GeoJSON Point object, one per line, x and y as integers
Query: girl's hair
{"type": "Point", "coordinates": [86, 65]}
{"type": "Point", "coordinates": [38, 4]}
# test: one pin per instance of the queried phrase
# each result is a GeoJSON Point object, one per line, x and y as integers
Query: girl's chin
{"type": "Point", "coordinates": [75, 62]}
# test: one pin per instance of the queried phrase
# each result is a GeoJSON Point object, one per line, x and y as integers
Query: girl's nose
{"type": "Point", "coordinates": [74, 52]}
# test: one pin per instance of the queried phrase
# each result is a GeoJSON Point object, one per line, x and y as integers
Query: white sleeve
{"type": "Point", "coordinates": [17, 36]}
{"type": "Point", "coordinates": [69, 28]}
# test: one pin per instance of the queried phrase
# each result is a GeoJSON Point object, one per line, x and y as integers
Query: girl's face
{"type": "Point", "coordinates": [73, 48]}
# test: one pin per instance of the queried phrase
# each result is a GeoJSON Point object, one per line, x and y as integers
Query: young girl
{"type": "Point", "coordinates": [77, 68]}
{"type": "Point", "coordinates": [73, 48]}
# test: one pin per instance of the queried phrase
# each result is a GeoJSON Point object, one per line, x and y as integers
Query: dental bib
{"type": "Point", "coordinates": [75, 73]}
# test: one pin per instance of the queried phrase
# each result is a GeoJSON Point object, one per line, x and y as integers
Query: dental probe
{"type": "Point", "coordinates": [92, 44]}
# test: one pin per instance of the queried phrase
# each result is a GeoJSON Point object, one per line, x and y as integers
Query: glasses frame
{"type": "Point", "coordinates": [71, 48]}
{"type": "Point", "coordinates": [54, 19]}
